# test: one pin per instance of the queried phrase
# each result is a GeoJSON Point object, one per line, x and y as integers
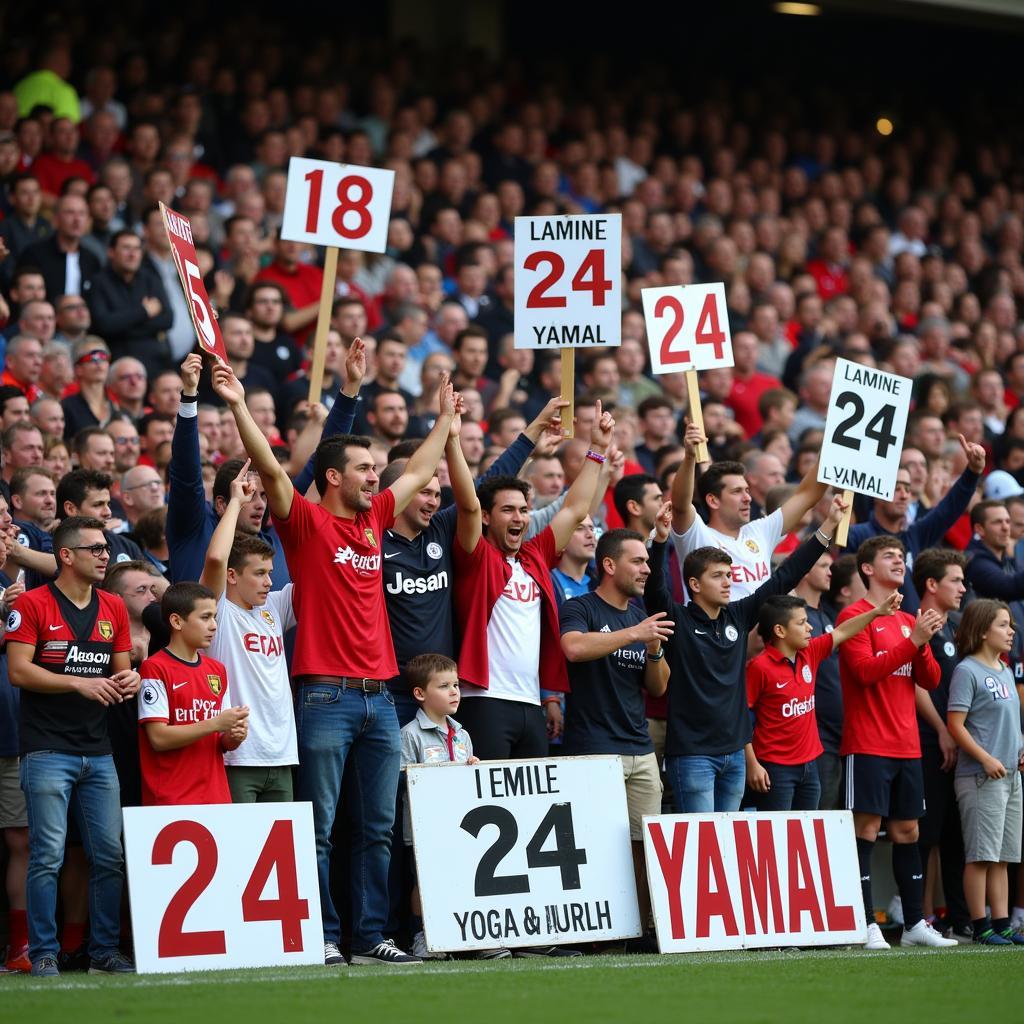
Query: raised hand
{"type": "Point", "coordinates": [243, 487]}
{"type": "Point", "coordinates": [227, 385]}
{"type": "Point", "coordinates": [446, 396]}
{"type": "Point", "coordinates": [928, 624]}
{"type": "Point", "coordinates": [355, 363]}
{"type": "Point", "coordinates": [891, 603]}
{"type": "Point", "coordinates": [460, 408]}
{"type": "Point", "coordinates": [601, 434]}
{"type": "Point", "coordinates": [692, 437]}
{"type": "Point", "coordinates": [654, 628]}
{"type": "Point", "coordinates": [835, 514]}
{"type": "Point", "coordinates": [975, 455]}
{"type": "Point", "coordinates": [549, 419]}
{"type": "Point", "coordinates": [663, 524]}
{"type": "Point", "coordinates": [190, 370]}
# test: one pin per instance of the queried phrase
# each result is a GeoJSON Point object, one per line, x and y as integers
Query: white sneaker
{"type": "Point", "coordinates": [896, 910]}
{"type": "Point", "coordinates": [332, 955]}
{"type": "Point", "coordinates": [923, 934]}
{"type": "Point", "coordinates": [419, 948]}
{"type": "Point", "coordinates": [1017, 919]}
{"type": "Point", "coordinates": [875, 938]}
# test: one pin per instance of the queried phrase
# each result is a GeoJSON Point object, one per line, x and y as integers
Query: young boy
{"type": "Point", "coordinates": [434, 737]}
{"type": "Point", "coordinates": [184, 727]}
{"type": "Point", "coordinates": [782, 757]}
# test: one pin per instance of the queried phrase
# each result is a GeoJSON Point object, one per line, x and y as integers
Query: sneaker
{"type": "Point", "coordinates": [112, 963]}
{"type": "Point", "coordinates": [1014, 935]}
{"type": "Point", "coordinates": [539, 951]}
{"type": "Point", "coordinates": [493, 954]}
{"type": "Point", "coordinates": [385, 952]}
{"type": "Point", "coordinates": [332, 955]}
{"type": "Point", "coordinates": [895, 910]}
{"type": "Point", "coordinates": [46, 967]}
{"type": "Point", "coordinates": [963, 935]}
{"type": "Point", "coordinates": [17, 960]}
{"type": "Point", "coordinates": [1017, 919]}
{"type": "Point", "coordinates": [923, 934]}
{"type": "Point", "coordinates": [75, 960]}
{"type": "Point", "coordinates": [990, 937]}
{"type": "Point", "coordinates": [875, 938]}
{"type": "Point", "coordinates": [419, 948]}
{"type": "Point", "coordinates": [643, 944]}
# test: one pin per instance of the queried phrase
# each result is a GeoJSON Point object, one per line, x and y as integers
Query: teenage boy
{"type": "Point", "coordinates": [185, 727]}
{"type": "Point", "coordinates": [878, 670]}
{"type": "Point", "coordinates": [69, 652]}
{"type": "Point", "coordinates": [251, 622]}
{"type": "Point", "coordinates": [708, 721]}
{"type": "Point", "coordinates": [435, 737]}
{"type": "Point", "coordinates": [782, 767]}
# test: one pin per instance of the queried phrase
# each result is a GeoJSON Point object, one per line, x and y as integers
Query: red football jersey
{"type": "Point", "coordinates": [878, 669]}
{"type": "Point", "coordinates": [336, 563]}
{"type": "Point", "coordinates": [781, 693]}
{"type": "Point", "coordinates": [180, 693]}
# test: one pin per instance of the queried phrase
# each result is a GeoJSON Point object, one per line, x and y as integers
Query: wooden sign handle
{"type": "Point", "coordinates": [323, 324]}
{"type": "Point", "coordinates": [843, 531]}
{"type": "Point", "coordinates": [696, 412]}
{"type": "Point", "coordinates": [568, 356]}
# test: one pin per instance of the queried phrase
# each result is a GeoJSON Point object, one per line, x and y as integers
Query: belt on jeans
{"type": "Point", "coordinates": [349, 682]}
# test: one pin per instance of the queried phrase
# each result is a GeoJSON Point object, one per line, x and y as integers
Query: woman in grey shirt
{"type": "Point", "coordinates": [983, 717]}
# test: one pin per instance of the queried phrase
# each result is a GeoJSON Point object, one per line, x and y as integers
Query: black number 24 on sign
{"type": "Point", "coordinates": [878, 429]}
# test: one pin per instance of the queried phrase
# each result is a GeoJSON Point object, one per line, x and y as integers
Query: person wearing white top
{"type": "Point", "coordinates": [727, 496]}
{"type": "Point", "coordinates": [251, 623]}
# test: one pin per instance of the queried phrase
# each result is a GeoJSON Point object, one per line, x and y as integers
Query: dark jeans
{"type": "Point", "coordinates": [940, 827]}
{"type": "Point", "coordinates": [795, 787]}
{"type": "Point", "coordinates": [504, 729]}
{"type": "Point", "coordinates": [830, 775]}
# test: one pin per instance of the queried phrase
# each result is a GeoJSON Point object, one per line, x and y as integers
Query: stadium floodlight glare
{"type": "Point", "coordinates": [884, 126]}
{"type": "Point", "coordinates": [808, 10]}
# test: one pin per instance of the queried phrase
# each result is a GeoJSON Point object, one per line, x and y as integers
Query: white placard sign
{"type": "Point", "coordinates": [864, 428]}
{"type": "Point", "coordinates": [523, 853]}
{"type": "Point", "coordinates": [568, 281]}
{"type": "Point", "coordinates": [741, 881]}
{"type": "Point", "coordinates": [221, 886]}
{"type": "Point", "coordinates": [341, 205]}
{"type": "Point", "coordinates": [687, 327]}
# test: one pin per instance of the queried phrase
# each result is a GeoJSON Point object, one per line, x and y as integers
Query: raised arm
{"type": "Point", "coordinates": [469, 524]}
{"type": "Point", "coordinates": [929, 529]}
{"type": "Point", "coordinates": [657, 597]}
{"type": "Point", "coordinates": [422, 465]}
{"type": "Point", "coordinates": [579, 497]}
{"type": "Point", "coordinates": [276, 483]}
{"type": "Point", "coordinates": [186, 498]}
{"type": "Point", "coordinates": [851, 627]}
{"type": "Point", "coordinates": [803, 499]}
{"type": "Point", "coordinates": [869, 668]}
{"type": "Point", "coordinates": [683, 512]}
{"type": "Point", "coordinates": [215, 569]}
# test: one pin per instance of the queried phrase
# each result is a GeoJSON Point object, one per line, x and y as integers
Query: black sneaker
{"type": "Point", "coordinates": [332, 955]}
{"type": "Point", "coordinates": [385, 952]}
{"type": "Point", "coordinates": [964, 934]}
{"type": "Point", "coordinates": [46, 967]}
{"type": "Point", "coordinates": [112, 963]}
{"type": "Point", "coordinates": [74, 961]}
{"type": "Point", "coordinates": [644, 944]}
{"type": "Point", "coordinates": [539, 951]}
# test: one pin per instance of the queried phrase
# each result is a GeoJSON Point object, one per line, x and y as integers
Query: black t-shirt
{"type": "Point", "coordinates": [279, 356]}
{"type": "Point", "coordinates": [604, 710]}
{"type": "Point", "coordinates": [828, 693]}
{"type": "Point", "coordinates": [943, 645]}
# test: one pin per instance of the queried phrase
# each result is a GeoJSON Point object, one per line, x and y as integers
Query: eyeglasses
{"type": "Point", "coordinates": [96, 356]}
{"type": "Point", "coordinates": [124, 442]}
{"type": "Point", "coordinates": [130, 376]}
{"type": "Point", "coordinates": [148, 483]}
{"type": "Point", "coordinates": [96, 550]}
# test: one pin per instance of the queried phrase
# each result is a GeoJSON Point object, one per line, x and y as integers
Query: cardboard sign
{"type": "Point", "coordinates": [339, 205]}
{"type": "Point", "coordinates": [739, 881]}
{"type": "Point", "coordinates": [568, 281]}
{"type": "Point", "coordinates": [864, 428]}
{"type": "Point", "coordinates": [687, 327]}
{"type": "Point", "coordinates": [183, 252]}
{"type": "Point", "coordinates": [523, 853]}
{"type": "Point", "coordinates": [221, 886]}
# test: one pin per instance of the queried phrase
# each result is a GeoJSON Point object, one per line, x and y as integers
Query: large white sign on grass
{"type": "Point", "coordinates": [568, 281]}
{"type": "Point", "coordinates": [864, 428]}
{"type": "Point", "coordinates": [737, 881]}
{"type": "Point", "coordinates": [523, 853]}
{"type": "Point", "coordinates": [220, 886]}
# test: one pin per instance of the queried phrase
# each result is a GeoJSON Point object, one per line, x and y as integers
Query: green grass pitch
{"type": "Point", "coordinates": [822, 987]}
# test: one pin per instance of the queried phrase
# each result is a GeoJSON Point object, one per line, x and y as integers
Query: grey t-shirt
{"type": "Point", "coordinates": [990, 699]}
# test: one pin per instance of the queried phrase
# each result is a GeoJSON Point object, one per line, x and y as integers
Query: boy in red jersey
{"type": "Point", "coordinates": [782, 766]}
{"type": "Point", "coordinates": [184, 728]}
{"type": "Point", "coordinates": [879, 669]}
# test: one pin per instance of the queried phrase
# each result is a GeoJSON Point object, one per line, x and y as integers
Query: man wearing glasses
{"type": "Point", "coordinates": [142, 490]}
{"type": "Point", "coordinates": [73, 320]}
{"type": "Point", "coordinates": [68, 651]}
{"type": "Point", "coordinates": [127, 446]}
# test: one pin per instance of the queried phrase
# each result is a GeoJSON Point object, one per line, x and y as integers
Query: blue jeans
{"type": "Point", "coordinates": [338, 729]}
{"type": "Point", "coordinates": [52, 783]}
{"type": "Point", "coordinates": [795, 787]}
{"type": "Point", "coordinates": [702, 784]}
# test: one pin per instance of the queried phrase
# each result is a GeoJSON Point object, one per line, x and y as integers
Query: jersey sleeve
{"type": "Point", "coordinates": [755, 682]}
{"type": "Point", "coordinates": [697, 536]}
{"type": "Point", "coordinates": [281, 605]}
{"type": "Point", "coordinates": [153, 704]}
{"type": "Point", "coordinates": [300, 525]}
{"type": "Point", "coordinates": [961, 689]}
{"type": "Point", "coordinates": [122, 631]}
{"type": "Point", "coordinates": [818, 650]}
{"type": "Point", "coordinates": [23, 623]}
{"type": "Point", "coordinates": [768, 529]}
{"type": "Point", "coordinates": [572, 617]}
{"type": "Point", "coordinates": [384, 509]}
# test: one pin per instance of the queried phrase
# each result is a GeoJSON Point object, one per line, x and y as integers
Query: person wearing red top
{"type": "Point", "coordinates": [507, 614]}
{"type": "Point", "coordinates": [782, 757]}
{"type": "Point", "coordinates": [301, 282]}
{"type": "Point", "coordinates": [184, 726]}
{"type": "Point", "coordinates": [879, 670]}
{"type": "Point", "coordinates": [829, 270]}
{"type": "Point", "coordinates": [748, 384]}
{"type": "Point", "coordinates": [59, 162]}
{"type": "Point", "coordinates": [345, 716]}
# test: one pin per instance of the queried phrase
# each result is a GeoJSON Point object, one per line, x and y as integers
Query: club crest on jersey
{"type": "Point", "coordinates": [267, 617]}
{"type": "Point", "coordinates": [370, 537]}
{"type": "Point", "coordinates": [949, 648]}
{"type": "Point", "coordinates": [751, 545]}
{"type": "Point", "coordinates": [807, 673]}
{"type": "Point", "coordinates": [105, 628]}
{"type": "Point", "coordinates": [732, 634]}
{"type": "Point", "coordinates": [905, 630]}
{"type": "Point", "coordinates": [434, 550]}
{"type": "Point", "coordinates": [214, 684]}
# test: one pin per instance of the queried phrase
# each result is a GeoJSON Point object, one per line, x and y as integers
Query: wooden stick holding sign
{"type": "Point", "coordinates": [687, 331]}
{"type": "Point", "coordinates": [864, 428]}
{"type": "Point", "coordinates": [336, 206]}
{"type": "Point", "coordinates": [568, 289]}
